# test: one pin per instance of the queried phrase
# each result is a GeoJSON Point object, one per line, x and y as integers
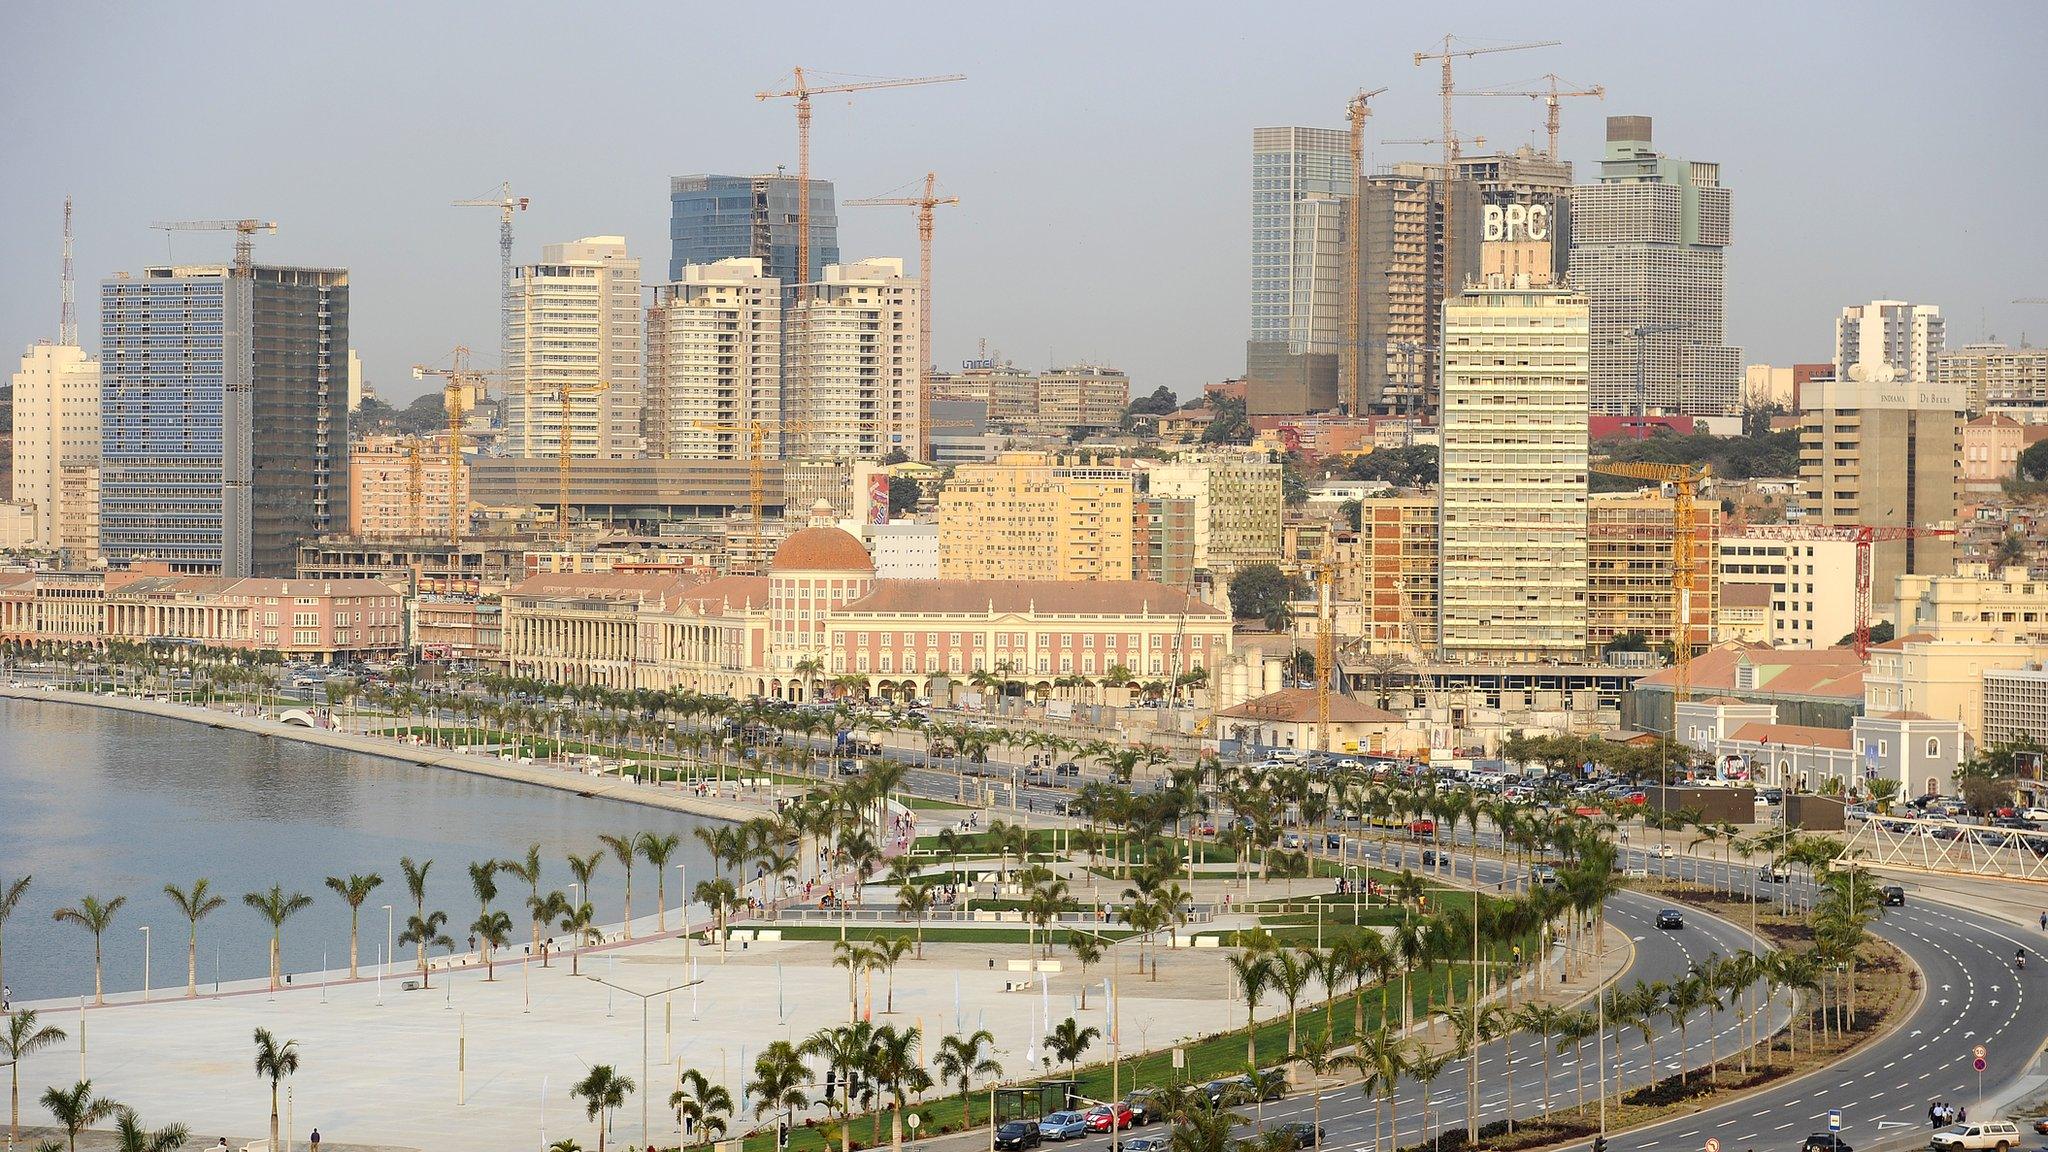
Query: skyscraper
{"type": "Point", "coordinates": [1404, 268]}
{"type": "Point", "coordinates": [725, 217]}
{"type": "Point", "coordinates": [1884, 453]}
{"type": "Point", "coordinates": [56, 423]}
{"type": "Point", "coordinates": [1905, 338]}
{"type": "Point", "coordinates": [223, 415]}
{"type": "Point", "coordinates": [1301, 178]}
{"type": "Point", "coordinates": [714, 363]}
{"type": "Point", "coordinates": [1513, 535]}
{"type": "Point", "coordinates": [575, 322]}
{"type": "Point", "coordinates": [1647, 249]}
{"type": "Point", "coordinates": [851, 361]}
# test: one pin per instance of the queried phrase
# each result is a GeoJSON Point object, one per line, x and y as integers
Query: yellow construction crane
{"type": "Point", "coordinates": [244, 230]}
{"type": "Point", "coordinates": [1356, 112]}
{"type": "Point", "coordinates": [801, 91]}
{"type": "Point", "coordinates": [757, 451]}
{"type": "Point", "coordinates": [924, 205]}
{"type": "Point", "coordinates": [1550, 96]}
{"type": "Point", "coordinates": [1685, 481]}
{"type": "Point", "coordinates": [463, 390]}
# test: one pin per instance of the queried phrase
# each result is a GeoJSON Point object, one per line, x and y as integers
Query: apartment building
{"type": "Point", "coordinates": [78, 513]}
{"type": "Point", "coordinates": [1396, 565]}
{"type": "Point", "coordinates": [1031, 516]}
{"type": "Point", "coordinates": [1808, 587]}
{"type": "Point", "coordinates": [2015, 704]}
{"type": "Point", "coordinates": [401, 486]}
{"type": "Point", "coordinates": [1991, 373]}
{"type": "Point", "coordinates": [853, 360]}
{"type": "Point", "coordinates": [575, 331]}
{"type": "Point", "coordinates": [1239, 506]}
{"type": "Point", "coordinates": [56, 424]}
{"type": "Point", "coordinates": [1888, 339]}
{"type": "Point", "coordinates": [1884, 453]}
{"type": "Point", "coordinates": [714, 363]}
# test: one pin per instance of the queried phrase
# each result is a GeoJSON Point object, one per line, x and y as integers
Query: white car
{"type": "Point", "coordinates": [1663, 851]}
{"type": "Point", "coordinates": [2034, 814]}
{"type": "Point", "coordinates": [1994, 1135]}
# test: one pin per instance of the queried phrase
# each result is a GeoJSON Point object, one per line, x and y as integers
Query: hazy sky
{"type": "Point", "coordinates": [1100, 151]}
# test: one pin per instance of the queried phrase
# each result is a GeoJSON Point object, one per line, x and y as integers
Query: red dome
{"type": "Point", "coordinates": [822, 550]}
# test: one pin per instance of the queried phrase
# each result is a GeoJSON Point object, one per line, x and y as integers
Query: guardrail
{"type": "Point", "coordinates": [1944, 846]}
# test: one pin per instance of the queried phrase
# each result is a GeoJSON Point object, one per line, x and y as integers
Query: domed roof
{"type": "Point", "coordinates": [822, 550]}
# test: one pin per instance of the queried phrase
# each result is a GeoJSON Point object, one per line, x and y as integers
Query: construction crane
{"type": "Point", "coordinates": [462, 390]}
{"type": "Point", "coordinates": [416, 488]}
{"type": "Point", "coordinates": [924, 205]}
{"type": "Point", "coordinates": [506, 204]}
{"type": "Point", "coordinates": [801, 91]}
{"type": "Point", "coordinates": [1356, 112]}
{"type": "Point", "coordinates": [1863, 536]}
{"type": "Point", "coordinates": [757, 450]}
{"type": "Point", "coordinates": [1457, 143]}
{"type": "Point", "coordinates": [564, 394]}
{"type": "Point", "coordinates": [1685, 481]}
{"type": "Point", "coordinates": [1550, 96]}
{"type": "Point", "coordinates": [244, 230]}
{"type": "Point", "coordinates": [1326, 569]}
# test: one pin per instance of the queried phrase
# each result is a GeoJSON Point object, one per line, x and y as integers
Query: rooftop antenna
{"type": "Point", "coordinates": [67, 314]}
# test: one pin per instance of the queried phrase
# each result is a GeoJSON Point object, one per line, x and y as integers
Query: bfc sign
{"type": "Point", "coordinates": [1512, 222]}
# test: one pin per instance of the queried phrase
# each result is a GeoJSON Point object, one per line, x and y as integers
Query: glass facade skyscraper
{"type": "Point", "coordinates": [727, 217]}
{"type": "Point", "coordinates": [1300, 179]}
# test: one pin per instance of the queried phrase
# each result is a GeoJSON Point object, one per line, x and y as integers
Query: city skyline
{"type": "Point", "coordinates": [1815, 230]}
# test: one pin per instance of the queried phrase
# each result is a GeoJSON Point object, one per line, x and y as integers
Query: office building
{"type": "Point", "coordinates": [1010, 392]}
{"type": "Point", "coordinates": [2015, 704]}
{"type": "Point", "coordinates": [399, 487]}
{"type": "Point", "coordinates": [1806, 589]}
{"type": "Point", "coordinates": [1239, 506]}
{"type": "Point", "coordinates": [1629, 585]}
{"type": "Point", "coordinates": [575, 324]}
{"type": "Point", "coordinates": [1647, 248]}
{"type": "Point", "coordinates": [960, 433]}
{"type": "Point", "coordinates": [1163, 541]}
{"type": "Point", "coordinates": [1513, 525]}
{"type": "Point", "coordinates": [1301, 178]}
{"type": "Point", "coordinates": [1030, 516]}
{"type": "Point", "coordinates": [1888, 340]}
{"type": "Point", "coordinates": [223, 416]}
{"type": "Point", "coordinates": [852, 359]}
{"type": "Point", "coordinates": [56, 423]}
{"type": "Point", "coordinates": [1886, 455]}
{"type": "Point", "coordinates": [78, 513]}
{"type": "Point", "coordinates": [713, 218]}
{"type": "Point", "coordinates": [1992, 373]}
{"type": "Point", "coordinates": [714, 364]}
{"type": "Point", "coordinates": [1082, 398]}
{"type": "Point", "coordinates": [1395, 565]}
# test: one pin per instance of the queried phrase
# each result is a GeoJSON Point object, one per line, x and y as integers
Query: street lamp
{"type": "Point", "coordinates": [145, 963]}
{"type": "Point", "coordinates": [644, 998]}
{"type": "Point", "coordinates": [390, 938]}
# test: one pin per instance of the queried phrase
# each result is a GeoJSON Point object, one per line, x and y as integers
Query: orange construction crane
{"type": "Point", "coordinates": [924, 205]}
{"type": "Point", "coordinates": [244, 230]}
{"type": "Point", "coordinates": [1550, 96]}
{"type": "Point", "coordinates": [757, 450]}
{"type": "Point", "coordinates": [1685, 481]}
{"type": "Point", "coordinates": [462, 391]}
{"type": "Point", "coordinates": [1863, 536]}
{"type": "Point", "coordinates": [1356, 112]}
{"type": "Point", "coordinates": [801, 91]}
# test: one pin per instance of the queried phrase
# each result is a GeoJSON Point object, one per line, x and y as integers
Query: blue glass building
{"type": "Point", "coordinates": [722, 217]}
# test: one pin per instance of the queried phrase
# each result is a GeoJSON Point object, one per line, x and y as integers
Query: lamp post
{"type": "Point", "coordinates": [683, 880]}
{"type": "Point", "coordinates": [645, 1132]}
{"type": "Point", "coordinates": [145, 963]}
{"type": "Point", "coordinates": [390, 938]}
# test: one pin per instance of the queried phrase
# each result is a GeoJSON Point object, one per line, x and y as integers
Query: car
{"type": "Point", "coordinates": [1825, 1142]}
{"type": "Point", "coordinates": [1662, 851]}
{"type": "Point", "coordinates": [1017, 1135]}
{"type": "Point", "coordinates": [1775, 873]}
{"type": "Point", "coordinates": [1144, 1144]}
{"type": "Point", "coordinates": [1304, 1133]}
{"type": "Point", "coordinates": [1063, 1126]}
{"type": "Point", "coordinates": [2041, 1125]}
{"type": "Point", "coordinates": [1670, 918]}
{"type": "Point", "coordinates": [1894, 896]}
{"type": "Point", "coordinates": [1102, 1116]}
{"type": "Point", "coordinates": [2034, 813]}
{"type": "Point", "coordinates": [1993, 1135]}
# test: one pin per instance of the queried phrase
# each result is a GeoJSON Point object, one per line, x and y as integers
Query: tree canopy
{"type": "Point", "coordinates": [903, 495]}
{"type": "Point", "coordinates": [1262, 592]}
{"type": "Point", "coordinates": [1402, 467]}
{"type": "Point", "coordinates": [1230, 425]}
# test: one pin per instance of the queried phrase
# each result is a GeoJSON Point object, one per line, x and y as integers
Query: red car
{"type": "Point", "coordinates": [1099, 1117]}
{"type": "Point", "coordinates": [1205, 828]}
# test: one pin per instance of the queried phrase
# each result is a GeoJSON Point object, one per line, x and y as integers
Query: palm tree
{"type": "Point", "coordinates": [422, 929]}
{"type": "Point", "coordinates": [95, 918]}
{"type": "Point", "coordinates": [780, 1075]}
{"type": "Point", "coordinates": [274, 1062]}
{"type": "Point", "coordinates": [893, 1062]}
{"type": "Point", "coordinates": [1202, 1127]}
{"type": "Point", "coordinates": [1069, 1042]}
{"type": "Point", "coordinates": [845, 1049]}
{"type": "Point", "coordinates": [702, 1104]}
{"type": "Point", "coordinates": [961, 1059]}
{"type": "Point", "coordinates": [625, 849]}
{"type": "Point", "coordinates": [721, 898]}
{"type": "Point", "coordinates": [353, 890]}
{"type": "Point", "coordinates": [580, 921]}
{"type": "Point", "coordinates": [1087, 949]}
{"type": "Point", "coordinates": [887, 952]}
{"type": "Point", "coordinates": [1544, 1020]}
{"type": "Point", "coordinates": [658, 851]}
{"type": "Point", "coordinates": [131, 1136]}
{"type": "Point", "coordinates": [277, 908]}
{"type": "Point", "coordinates": [1291, 976]}
{"type": "Point", "coordinates": [23, 1038]}
{"type": "Point", "coordinates": [1254, 972]}
{"type": "Point", "coordinates": [75, 1109]}
{"type": "Point", "coordinates": [11, 894]}
{"type": "Point", "coordinates": [493, 927]}
{"type": "Point", "coordinates": [537, 906]}
{"type": "Point", "coordinates": [195, 905]}
{"type": "Point", "coordinates": [1383, 1057]}
{"type": "Point", "coordinates": [601, 1090]}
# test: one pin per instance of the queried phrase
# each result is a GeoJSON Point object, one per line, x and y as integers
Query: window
{"type": "Point", "coordinates": [1933, 746]}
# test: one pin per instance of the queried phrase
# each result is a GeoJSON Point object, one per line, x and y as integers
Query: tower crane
{"type": "Point", "coordinates": [1327, 569]}
{"type": "Point", "coordinates": [506, 204]}
{"type": "Point", "coordinates": [1863, 536]}
{"type": "Point", "coordinates": [924, 205]}
{"type": "Point", "coordinates": [244, 230]}
{"type": "Point", "coordinates": [1685, 481]}
{"type": "Point", "coordinates": [1356, 112]}
{"type": "Point", "coordinates": [462, 390]}
{"type": "Point", "coordinates": [801, 91]}
{"type": "Point", "coordinates": [1550, 96]}
{"type": "Point", "coordinates": [564, 394]}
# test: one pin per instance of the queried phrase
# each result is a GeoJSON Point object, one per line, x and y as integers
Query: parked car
{"type": "Point", "coordinates": [1996, 1135]}
{"type": "Point", "coordinates": [1063, 1126]}
{"type": "Point", "coordinates": [2041, 1125]}
{"type": "Point", "coordinates": [1670, 918]}
{"type": "Point", "coordinates": [1894, 896]}
{"type": "Point", "coordinates": [1103, 1116]}
{"type": "Point", "coordinates": [1857, 812]}
{"type": "Point", "coordinates": [1825, 1142]}
{"type": "Point", "coordinates": [1306, 1134]}
{"type": "Point", "coordinates": [1146, 1106]}
{"type": "Point", "coordinates": [1144, 1144]}
{"type": "Point", "coordinates": [1017, 1135]}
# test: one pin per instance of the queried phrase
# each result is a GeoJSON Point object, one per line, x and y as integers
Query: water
{"type": "Point", "coordinates": [111, 804]}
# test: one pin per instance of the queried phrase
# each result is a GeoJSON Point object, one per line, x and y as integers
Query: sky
{"type": "Point", "coordinates": [1101, 152]}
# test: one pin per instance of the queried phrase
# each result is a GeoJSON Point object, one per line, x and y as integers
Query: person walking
{"type": "Point", "coordinates": [315, 1140]}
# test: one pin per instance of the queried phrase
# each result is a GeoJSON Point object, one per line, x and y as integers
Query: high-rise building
{"type": "Point", "coordinates": [1239, 506]}
{"type": "Point", "coordinates": [852, 361]}
{"type": "Point", "coordinates": [1991, 373]}
{"type": "Point", "coordinates": [223, 416]}
{"type": "Point", "coordinates": [399, 487]}
{"type": "Point", "coordinates": [56, 423]}
{"type": "Point", "coordinates": [1301, 178]}
{"type": "Point", "coordinates": [714, 363]}
{"type": "Point", "coordinates": [575, 322]}
{"type": "Point", "coordinates": [1647, 249]}
{"type": "Point", "coordinates": [1408, 259]}
{"type": "Point", "coordinates": [1513, 535]}
{"type": "Point", "coordinates": [1010, 392]}
{"type": "Point", "coordinates": [714, 218]}
{"type": "Point", "coordinates": [1629, 588]}
{"type": "Point", "coordinates": [1886, 454]}
{"type": "Point", "coordinates": [1904, 338]}
{"type": "Point", "coordinates": [355, 380]}
{"type": "Point", "coordinates": [1029, 516]}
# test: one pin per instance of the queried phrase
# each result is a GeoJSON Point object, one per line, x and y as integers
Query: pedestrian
{"type": "Point", "coordinates": [315, 1140]}
{"type": "Point", "coordinates": [1962, 1114]}
{"type": "Point", "coordinates": [6, 998]}
{"type": "Point", "coordinates": [1934, 1113]}
{"type": "Point", "coordinates": [2044, 921]}
{"type": "Point", "coordinates": [222, 1146]}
